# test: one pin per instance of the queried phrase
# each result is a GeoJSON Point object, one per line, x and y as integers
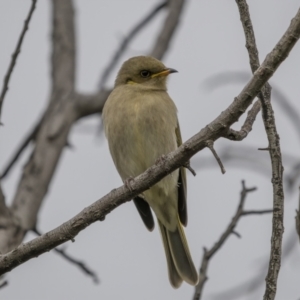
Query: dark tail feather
{"type": "Point", "coordinates": [181, 255]}
{"type": "Point", "coordinates": [180, 264]}
{"type": "Point", "coordinates": [174, 277]}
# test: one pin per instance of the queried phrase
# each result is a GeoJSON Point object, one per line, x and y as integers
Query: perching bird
{"type": "Point", "coordinates": [141, 126]}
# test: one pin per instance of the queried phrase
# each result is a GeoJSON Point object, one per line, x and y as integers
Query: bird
{"type": "Point", "coordinates": [141, 126]}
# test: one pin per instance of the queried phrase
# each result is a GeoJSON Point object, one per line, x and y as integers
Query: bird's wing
{"type": "Point", "coordinates": [182, 187]}
{"type": "Point", "coordinates": [145, 212]}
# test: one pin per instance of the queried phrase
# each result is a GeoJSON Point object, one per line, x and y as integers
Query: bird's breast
{"type": "Point", "coordinates": [140, 127]}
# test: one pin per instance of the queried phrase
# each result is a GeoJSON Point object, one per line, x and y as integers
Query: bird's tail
{"type": "Point", "coordinates": [180, 264]}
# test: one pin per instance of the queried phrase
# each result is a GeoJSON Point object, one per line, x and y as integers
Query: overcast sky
{"type": "Point", "coordinates": [128, 259]}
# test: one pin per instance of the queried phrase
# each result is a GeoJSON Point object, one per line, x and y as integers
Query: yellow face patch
{"type": "Point", "coordinates": [131, 82]}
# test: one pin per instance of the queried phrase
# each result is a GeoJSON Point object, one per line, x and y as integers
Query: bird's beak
{"type": "Point", "coordinates": [165, 72]}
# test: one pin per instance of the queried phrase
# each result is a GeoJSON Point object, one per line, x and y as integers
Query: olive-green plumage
{"type": "Point", "coordinates": [141, 125]}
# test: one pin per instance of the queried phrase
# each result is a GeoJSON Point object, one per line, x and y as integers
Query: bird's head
{"type": "Point", "coordinates": [144, 70]}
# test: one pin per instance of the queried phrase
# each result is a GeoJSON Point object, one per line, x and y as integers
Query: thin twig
{"type": "Point", "coordinates": [251, 285]}
{"type": "Point", "coordinates": [264, 149]}
{"type": "Point", "coordinates": [187, 165]}
{"type": "Point", "coordinates": [81, 265]}
{"type": "Point", "coordinates": [236, 234]}
{"type": "Point", "coordinates": [210, 145]}
{"type": "Point", "coordinates": [247, 126]}
{"type": "Point", "coordinates": [253, 57]}
{"type": "Point", "coordinates": [208, 254]}
{"type": "Point", "coordinates": [3, 284]}
{"type": "Point", "coordinates": [298, 216]}
{"type": "Point", "coordinates": [124, 44]}
{"type": "Point", "coordinates": [30, 137]}
{"type": "Point", "coordinates": [15, 55]}
{"type": "Point", "coordinates": [257, 212]}
{"type": "Point", "coordinates": [275, 155]}
{"type": "Point", "coordinates": [278, 96]}
{"type": "Point", "coordinates": [3, 207]}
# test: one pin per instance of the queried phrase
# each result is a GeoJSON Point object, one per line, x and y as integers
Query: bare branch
{"type": "Point", "coordinates": [124, 44]}
{"type": "Point", "coordinates": [253, 284]}
{"type": "Point", "coordinates": [31, 136]}
{"type": "Point", "coordinates": [172, 21]}
{"type": "Point", "coordinates": [52, 135]}
{"type": "Point", "coordinates": [81, 265]}
{"type": "Point", "coordinates": [249, 34]}
{"type": "Point", "coordinates": [275, 154]}
{"type": "Point", "coordinates": [239, 156]}
{"type": "Point", "coordinates": [247, 126]}
{"type": "Point", "coordinates": [236, 234]}
{"type": "Point", "coordinates": [298, 217]}
{"type": "Point", "coordinates": [264, 149]}
{"type": "Point", "coordinates": [208, 254]}
{"type": "Point", "coordinates": [210, 145]}
{"type": "Point", "coordinates": [15, 55]}
{"type": "Point", "coordinates": [3, 207]}
{"type": "Point", "coordinates": [280, 98]}
{"type": "Point", "coordinates": [3, 284]}
{"type": "Point", "coordinates": [254, 63]}
{"type": "Point", "coordinates": [173, 160]}
{"type": "Point", "coordinates": [257, 212]}
{"type": "Point", "coordinates": [63, 52]}
{"type": "Point", "coordinates": [187, 165]}
{"type": "Point", "coordinates": [91, 104]}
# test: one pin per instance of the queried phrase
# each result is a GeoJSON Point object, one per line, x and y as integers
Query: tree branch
{"type": "Point", "coordinates": [171, 23]}
{"type": "Point", "coordinates": [208, 254]}
{"type": "Point", "coordinates": [90, 104]}
{"type": "Point", "coordinates": [210, 145]}
{"type": "Point", "coordinates": [275, 155]}
{"type": "Point", "coordinates": [3, 284]}
{"type": "Point", "coordinates": [52, 134]}
{"type": "Point", "coordinates": [297, 218]}
{"type": "Point", "coordinates": [257, 212]}
{"type": "Point", "coordinates": [3, 206]}
{"type": "Point", "coordinates": [31, 136]}
{"type": "Point", "coordinates": [54, 129]}
{"type": "Point", "coordinates": [251, 285]}
{"type": "Point", "coordinates": [254, 63]}
{"type": "Point", "coordinates": [278, 96]}
{"type": "Point", "coordinates": [234, 135]}
{"type": "Point", "coordinates": [172, 161]}
{"type": "Point", "coordinates": [81, 265]}
{"type": "Point", "coordinates": [15, 55]}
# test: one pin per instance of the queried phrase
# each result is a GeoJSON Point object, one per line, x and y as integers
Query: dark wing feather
{"type": "Point", "coordinates": [182, 187]}
{"type": "Point", "coordinates": [182, 207]}
{"type": "Point", "coordinates": [145, 212]}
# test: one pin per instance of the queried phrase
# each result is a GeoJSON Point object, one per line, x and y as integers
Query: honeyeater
{"type": "Point", "coordinates": [141, 125]}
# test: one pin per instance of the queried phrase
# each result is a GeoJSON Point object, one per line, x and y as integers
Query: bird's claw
{"type": "Point", "coordinates": [127, 183]}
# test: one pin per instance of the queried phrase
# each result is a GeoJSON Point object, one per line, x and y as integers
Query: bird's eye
{"type": "Point", "coordinates": [145, 73]}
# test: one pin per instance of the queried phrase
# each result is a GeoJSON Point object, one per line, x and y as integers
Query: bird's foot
{"type": "Point", "coordinates": [127, 183]}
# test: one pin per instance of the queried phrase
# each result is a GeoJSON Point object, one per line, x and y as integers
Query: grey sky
{"type": "Point", "coordinates": [128, 259]}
